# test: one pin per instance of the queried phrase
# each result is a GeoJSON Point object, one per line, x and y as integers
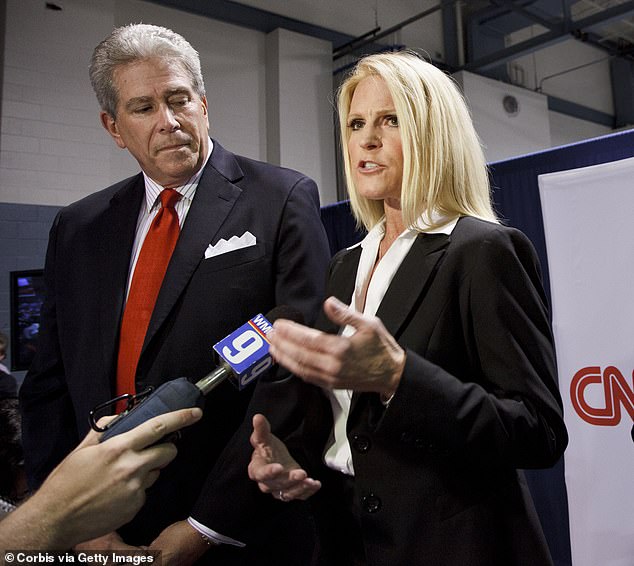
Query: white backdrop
{"type": "Point", "coordinates": [589, 226]}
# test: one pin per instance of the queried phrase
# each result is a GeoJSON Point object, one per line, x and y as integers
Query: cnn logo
{"type": "Point", "coordinates": [597, 396]}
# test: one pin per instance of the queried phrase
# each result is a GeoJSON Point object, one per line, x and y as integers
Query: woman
{"type": "Point", "coordinates": [436, 356]}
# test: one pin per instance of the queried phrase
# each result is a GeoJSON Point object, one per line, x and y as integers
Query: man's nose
{"type": "Point", "coordinates": [168, 121]}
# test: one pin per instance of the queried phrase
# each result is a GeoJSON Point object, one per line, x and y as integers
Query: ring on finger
{"type": "Point", "coordinates": [281, 496]}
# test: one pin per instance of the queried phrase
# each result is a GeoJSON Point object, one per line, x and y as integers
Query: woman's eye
{"type": "Point", "coordinates": [392, 121]}
{"type": "Point", "coordinates": [356, 124]}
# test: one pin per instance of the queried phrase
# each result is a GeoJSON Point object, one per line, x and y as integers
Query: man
{"type": "Point", "coordinates": [247, 237]}
{"type": "Point", "coordinates": [96, 488]}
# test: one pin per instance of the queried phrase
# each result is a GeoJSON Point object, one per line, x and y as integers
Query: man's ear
{"type": "Point", "coordinates": [110, 124]}
{"type": "Point", "coordinates": [206, 111]}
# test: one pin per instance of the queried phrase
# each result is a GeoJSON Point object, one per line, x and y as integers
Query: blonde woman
{"type": "Point", "coordinates": [430, 380]}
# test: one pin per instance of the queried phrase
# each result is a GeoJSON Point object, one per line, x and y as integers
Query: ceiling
{"type": "Point", "coordinates": [605, 24]}
{"type": "Point", "coordinates": [480, 36]}
{"type": "Point", "coordinates": [617, 32]}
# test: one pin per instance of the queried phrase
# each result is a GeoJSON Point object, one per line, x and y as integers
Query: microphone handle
{"type": "Point", "coordinates": [215, 378]}
{"type": "Point", "coordinates": [176, 394]}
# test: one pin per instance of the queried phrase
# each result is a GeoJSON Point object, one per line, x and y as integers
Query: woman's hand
{"type": "Point", "coordinates": [369, 360]}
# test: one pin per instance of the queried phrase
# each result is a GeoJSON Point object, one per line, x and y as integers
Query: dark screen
{"type": "Point", "coordinates": [27, 295]}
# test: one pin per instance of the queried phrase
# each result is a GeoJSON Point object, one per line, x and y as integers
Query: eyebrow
{"type": "Point", "coordinates": [181, 90]}
{"type": "Point", "coordinates": [380, 112]}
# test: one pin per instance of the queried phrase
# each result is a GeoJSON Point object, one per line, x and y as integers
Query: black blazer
{"type": "Point", "coordinates": [437, 471]}
{"type": "Point", "coordinates": [200, 302]}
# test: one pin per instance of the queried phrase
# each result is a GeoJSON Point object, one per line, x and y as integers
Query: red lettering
{"type": "Point", "coordinates": [616, 393]}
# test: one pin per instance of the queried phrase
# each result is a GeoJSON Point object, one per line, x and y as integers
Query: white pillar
{"type": "Point", "coordinates": [299, 109]}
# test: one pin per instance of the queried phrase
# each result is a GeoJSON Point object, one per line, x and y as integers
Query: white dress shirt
{"type": "Point", "coordinates": [152, 206]}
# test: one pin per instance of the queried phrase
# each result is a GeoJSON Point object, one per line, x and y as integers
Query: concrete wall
{"type": "Point", "coordinates": [54, 151]}
{"type": "Point", "coordinates": [506, 134]}
{"type": "Point", "coordinates": [53, 148]}
{"type": "Point", "coordinates": [299, 109]}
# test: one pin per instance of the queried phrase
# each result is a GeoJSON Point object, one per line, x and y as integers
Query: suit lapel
{"type": "Point", "coordinates": [116, 233]}
{"type": "Point", "coordinates": [214, 199]}
{"type": "Point", "coordinates": [407, 289]}
{"type": "Point", "coordinates": [341, 283]}
{"type": "Point", "coordinates": [411, 281]}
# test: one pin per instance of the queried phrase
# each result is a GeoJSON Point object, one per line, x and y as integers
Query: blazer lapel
{"type": "Point", "coordinates": [341, 283]}
{"type": "Point", "coordinates": [117, 231]}
{"type": "Point", "coordinates": [214, 199]}
{"type": "Point", "coordinates": [407, 289]}
{"type": "Point", "coordinates": [411, 281]}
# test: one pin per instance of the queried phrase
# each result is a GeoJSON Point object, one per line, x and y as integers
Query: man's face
{"type": "Point", "coordinates": [160, 120]}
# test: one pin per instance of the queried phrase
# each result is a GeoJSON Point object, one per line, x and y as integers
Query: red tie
{"type": "Point", "coordinates": [148, 275]}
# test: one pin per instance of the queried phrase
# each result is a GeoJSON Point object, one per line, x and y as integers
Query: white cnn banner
{"type": "Point", "coordinates": [589, 225]}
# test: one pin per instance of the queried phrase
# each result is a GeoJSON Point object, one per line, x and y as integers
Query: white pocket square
{"type": "Point", "coordinates": [234, 243]}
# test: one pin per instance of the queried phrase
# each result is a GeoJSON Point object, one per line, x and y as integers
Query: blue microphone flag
{"type": "Point", "coordinates": [246, 350]}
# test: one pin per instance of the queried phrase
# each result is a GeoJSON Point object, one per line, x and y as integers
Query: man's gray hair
{"type": "Point", "coordinates": [138, 42]}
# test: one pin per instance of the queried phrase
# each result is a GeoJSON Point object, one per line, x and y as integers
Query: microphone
{"type": "Point", "coordinates": [245, 356]}
{"type": "Point", "coordinates": [245, 352]}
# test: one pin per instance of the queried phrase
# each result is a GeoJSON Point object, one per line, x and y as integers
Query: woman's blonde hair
{"type": "Point", "coordinates": [444, 169]}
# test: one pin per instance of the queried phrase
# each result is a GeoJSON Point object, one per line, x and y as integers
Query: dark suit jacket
{"type": "Point", "coordinates": [437, 472]}
{"type": "Point", "coordinates": [200, 302]}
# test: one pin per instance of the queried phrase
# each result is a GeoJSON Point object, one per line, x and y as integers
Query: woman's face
{"type": "Point", "coordinates": [374, 143]}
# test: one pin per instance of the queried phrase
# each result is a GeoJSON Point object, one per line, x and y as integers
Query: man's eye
{"type": "Point", "coordinates": [179, 102]}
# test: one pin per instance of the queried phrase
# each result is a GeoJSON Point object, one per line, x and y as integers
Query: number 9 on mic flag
{"type": "Point", "coordinates": [246, 350]}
